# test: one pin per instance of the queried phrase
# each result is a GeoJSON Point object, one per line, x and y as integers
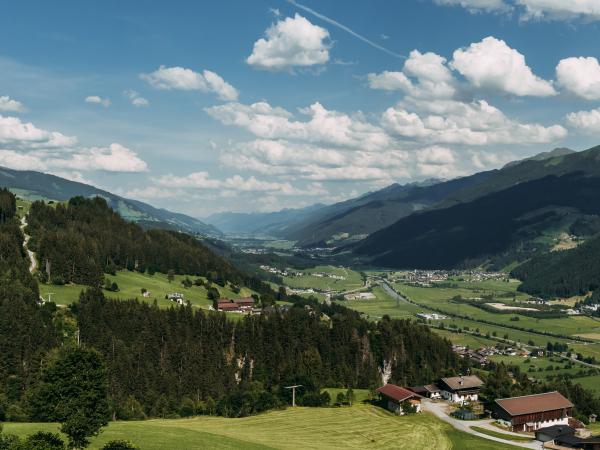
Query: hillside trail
{"type": "Point", "coordinates": [30, 254]}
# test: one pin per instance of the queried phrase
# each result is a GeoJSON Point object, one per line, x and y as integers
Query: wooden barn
{"type": "Point", "coordinates": [394, 396]}
{"type": "Point", "coordinates": [532, 412]}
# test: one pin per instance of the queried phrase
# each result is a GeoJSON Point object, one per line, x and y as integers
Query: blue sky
{"type": "Point", "coordinates": [255, 106]}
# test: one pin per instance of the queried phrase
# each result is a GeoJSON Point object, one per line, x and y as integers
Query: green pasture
{"type": "Point", "coordinates": [356, 427]}
{"type": "Point", "coordinates": [131, 284]}
{"type": "Point", "coordinates": [353, 279]}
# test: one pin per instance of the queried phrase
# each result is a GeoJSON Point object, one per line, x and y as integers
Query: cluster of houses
{"type": "Point", "coordinates": [287, 272]}
{"type": "Point", "coordinates": [481, 355]}
{"type": "Point", "coordinates": [548, 415]}
{"type": "Point", "coordinates": [360, 296]}
{"type": "Point", "coordinates": [426, 278]}
{"type": "Point", "coordinates": [238, 305]}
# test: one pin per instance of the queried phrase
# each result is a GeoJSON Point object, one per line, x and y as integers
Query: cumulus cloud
{"type": "Point", "coordinates": [492, 64]}
{"type": "Point", "coordinates": [25, 146]}
{"type": "Point", "coordinates": [135, 99]}
{"type": "Point", "coordinates": [291, 42]}
{"type": "Point", "coordinates": [95, 99]}
{"type": "Point", "coordinates": [8, 104]}
{"type": "Point", "coordinates": [474, 6]}
{"type": "Point", "coordinates": [476, 123]}
{"type": "Point", "coordinates": [180, 78]}
{"type": "Point", "coordinates": [21, 134]}
{"type": "Point", "coordinates": [560, 9]}
{"type": "Point", "coordinates": [580, 76]}
{"type": "Point", "coordinates": [324, 126]}
{"type": "Point", "coordinates": [586, 121]}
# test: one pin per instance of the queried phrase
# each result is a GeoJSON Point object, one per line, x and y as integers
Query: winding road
{"type": "Point", "coordinates": [30, 254]}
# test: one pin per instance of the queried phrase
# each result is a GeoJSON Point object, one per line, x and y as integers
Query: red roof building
{"type": "Point", "coordinates": [532, 412]}
{"type": "Point", "coordinates": [395, 396]}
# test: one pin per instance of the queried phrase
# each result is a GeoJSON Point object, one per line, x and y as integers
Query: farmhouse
{"type": "Point", "coordinates": [243, 303]}
{"type": "Point", "coordinates": [461, 389]}
{"type": "Point", "coordinates": [532, 412]}
{"type": "Point", "coordinates": [429, 391]}
{"type": "Point", "coordinates": [238, 305]}
{"type": "Point", "coordinates": [176, 297]}
{"type": "Point", "coordinates": [395, 396]}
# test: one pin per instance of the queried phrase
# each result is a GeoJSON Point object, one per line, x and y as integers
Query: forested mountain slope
{"type": "Point", "coordinates": [35, 185]}
{"type": "Point", "coordinates": [82, 240]}
{"type": "Point", "coordinates": [470, 233]}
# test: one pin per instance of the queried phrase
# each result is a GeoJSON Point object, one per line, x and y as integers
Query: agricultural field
{"type": "Point", "coordinates": [358, 427]}
{"type": "Point", "coordinates": [440, 298]}
{"type": "Point", "coordinates": [131, 284]}
{"type": "Point", "coordinates": [352, 279]}
{"type": "Point", "coordinates": [542, 367]}
{"type": "Point", "coordinates": [22, 207]}
{"type": "Point", "coordinates": [381, 305]}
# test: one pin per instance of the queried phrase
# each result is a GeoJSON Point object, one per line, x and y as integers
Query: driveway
{"type": "Point", "coordinates": [439, 410]}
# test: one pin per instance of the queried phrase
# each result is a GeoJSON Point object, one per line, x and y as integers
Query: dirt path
{"type": "Point", "coordinates": [30, 254]}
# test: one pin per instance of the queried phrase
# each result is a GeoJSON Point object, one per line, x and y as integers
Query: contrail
{"type": "Point", "coordinates": [345, 28]}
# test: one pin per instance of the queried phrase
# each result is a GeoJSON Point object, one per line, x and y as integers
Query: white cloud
{"type": "Point", "coordinates": [492, 64]}
{"type": "Point", "coordinates": [26, 135]}
{"type": "Point", "coordinates": [114, 158]}
{"type": "Point", "coordinates": [580, 76]}
{"type": "Point", "coordinates": [586, 121]}
{"type": "Point", "coordinates": [291, 42]}
{"type": "Point", "coordinates": [389, 81]}
{"type": "Point", "coordinates": [326, 127]}
{"type": "Point", "coordinates": [8, 104]}
{"type": "Point", "coordinates": [135, 98]}
{"type": "Point", "coordinates": [25, 146]}
{"type": "Point", "coordinates": [474, 6]}
{"type": "Point", "coordinates": [475, 123]}
{"type": "Point", "coordinates": [98, 100]}
{"type": "Point", "coordinates": [560, 9]}
{"type": "Point", "coordinates": [180, 78]}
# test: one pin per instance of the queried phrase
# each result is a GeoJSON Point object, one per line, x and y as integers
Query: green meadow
{"type": "Point", "coordinates": [352, 280]}
{"type": "Point", "coordinates": [131, 284]}
{"type": "Point", "coordinates": [357, 427]}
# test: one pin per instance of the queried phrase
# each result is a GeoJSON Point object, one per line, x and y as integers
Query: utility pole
{"type": "Point", "coordinates": [293, 388]}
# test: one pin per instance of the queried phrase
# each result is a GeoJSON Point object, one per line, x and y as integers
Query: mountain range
{"type": "Point", "coordinates": [36, 185]}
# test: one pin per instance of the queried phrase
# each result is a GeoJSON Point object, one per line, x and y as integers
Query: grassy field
{"type": "Point", "coordinates": [352, 279]}
{"type": "Point", "coordinates": [356, 427]}
{"type": "Point", "coordinates": [539, 367]}
{"type": "Point", "coordinates": [498, 434]}
{"type": "Point", "coordinates": [440, 298]}
{"type": "Point", "coordinates": [592, 383]}
{"type": "Point", "coordinates": [131, 283]}
{"type": "Point", "coordinates": [383, 304]}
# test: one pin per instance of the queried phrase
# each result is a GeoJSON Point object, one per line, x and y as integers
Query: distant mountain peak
{"type": "Point", "coordinates": [559, 151]}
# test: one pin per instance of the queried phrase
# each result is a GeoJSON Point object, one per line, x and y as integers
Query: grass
{"type": "Point", "coordinates": [592, 383]}
{"type": "Point", "coordinates": [441, 298]}
{"type": "Point", "coordinates": [131, 283]}
{"type": "Point", "coordinates": [536, 364]}
{"type": "Point", "coordinates": [353, 280]}
{"type": "Point", "coordinates": [356, 427]}
{"type": "Point", "coordinates": [383, 304]}
{"type": "Point", "coordinates": [360, 395]}
{"type": "Point", "coordinates": [508, 437]}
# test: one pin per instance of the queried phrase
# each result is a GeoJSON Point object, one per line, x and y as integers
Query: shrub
{"type": "Point", "coordinates": [120, 445]}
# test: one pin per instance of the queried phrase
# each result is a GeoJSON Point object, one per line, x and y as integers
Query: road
{"type": "Point", "coordinates": [30, 254]}
{"type": "Point", "coordinates": [438, 409]}
{"type": "Point", "coordinates": [392, 292]}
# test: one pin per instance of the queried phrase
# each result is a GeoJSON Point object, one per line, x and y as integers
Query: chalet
{"type": "Point", "coordinates": [395, 396]}
{"type": "Point", "coordinates": [461, 389]}
{"type": "Point", "coordinates": [226, 305]}
{"type": "Point", "coordinates": [429, 391]}
{"type": "Point", "coordinates": [244, 303]}
{"type": "Point", "coordinates": [532, 412]}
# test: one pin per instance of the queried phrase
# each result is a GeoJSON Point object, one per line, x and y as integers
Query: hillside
{"type": "Point", "coordinates": [272, 223]}
{"type": "Point", "coordinates": [346, 222]}
{"type": "Point", "coordinates": [511, 212]}
{"type": "Point", "coordinates": [32, 185]}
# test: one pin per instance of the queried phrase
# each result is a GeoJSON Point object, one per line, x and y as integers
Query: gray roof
{"type": "Point", "coordinates": [468, 382]}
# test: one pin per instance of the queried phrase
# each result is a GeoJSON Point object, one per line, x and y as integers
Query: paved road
{"type": "Point", "coordinates": [32, 260]}
{"type": "Point", "coordinates": [438, 409]}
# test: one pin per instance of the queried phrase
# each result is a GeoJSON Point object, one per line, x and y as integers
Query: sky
{"type": "Point", "coordinates": [204, 107]}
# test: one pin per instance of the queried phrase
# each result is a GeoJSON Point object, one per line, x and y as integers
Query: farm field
{"type": "Point", "coordinates": [357, 427]}
{"type": "Point", "coordinates": [131, 283]}
{"type": "Point", "coordinates": [353, 279]}
{"type": "Point", "coordinates": [381, 305]}
{"type": "Point", "coordinates": [532, 366]}
{"type": "Point", "coordinates": [440, 298]}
